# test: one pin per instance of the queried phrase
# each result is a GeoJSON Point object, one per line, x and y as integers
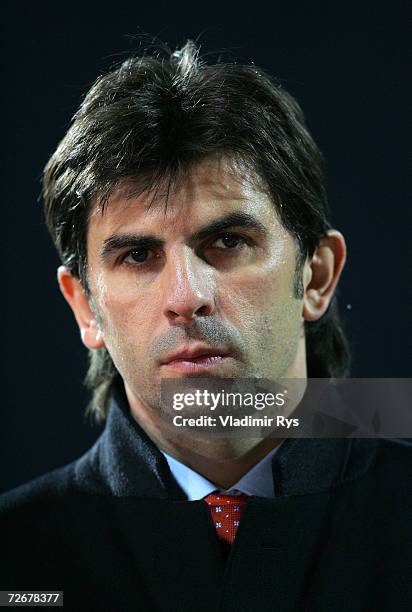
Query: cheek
{"type": "Point", "coordinates": [129, 316]}
{"type": "Point", "coordinates": [259, 290]}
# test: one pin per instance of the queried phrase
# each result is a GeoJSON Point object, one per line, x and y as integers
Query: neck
{"type": "Point", "coordinates": [223, 461]}
{"type": "Point", "coordinates": [225, 468]}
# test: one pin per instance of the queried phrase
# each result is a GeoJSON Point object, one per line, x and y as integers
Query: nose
{"type": "Point", "coordinates": [188, 287]}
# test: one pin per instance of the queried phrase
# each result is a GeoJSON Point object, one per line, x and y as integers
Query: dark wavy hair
{"type": "Point", "coordinates": [149, 121]}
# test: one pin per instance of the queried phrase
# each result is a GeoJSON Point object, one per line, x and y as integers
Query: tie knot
{"type": "Point", "coordinates": [219, 499]}
{"type": "Point", "coordinates": [226, 511]}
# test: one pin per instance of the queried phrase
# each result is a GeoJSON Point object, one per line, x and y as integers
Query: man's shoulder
{"type": "Point", "coordinates": [397, 450]}
{"type": "Point", "coordinates": [73, 479]}
{"type": "Point", "coordinates": [379, 456]}
{"type": "Point", "coordinates": [386, 481]}
{"type": "Point", "coordinates": [54, 484]}
{"type": "Point", "coordinates": [81, 477]}
{"type": "Point", "coordinates": [394, 458]}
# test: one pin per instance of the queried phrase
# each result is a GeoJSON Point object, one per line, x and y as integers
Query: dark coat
{"type": "Point", "coordinates": [114, 532]}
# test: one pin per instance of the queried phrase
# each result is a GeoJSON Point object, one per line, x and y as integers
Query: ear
{"type": "Point", "coordinates": [321, 274]}
{"type": "Point", "coordinates": [74, 294]}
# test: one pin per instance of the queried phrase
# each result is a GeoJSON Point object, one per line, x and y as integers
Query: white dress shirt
{"type": "Point", "coordinates": [257, 481]}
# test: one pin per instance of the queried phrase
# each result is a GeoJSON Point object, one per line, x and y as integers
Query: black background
{"type": "Point", "coordinates": [347, 68]}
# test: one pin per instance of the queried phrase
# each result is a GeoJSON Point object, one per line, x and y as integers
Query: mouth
{"type": "Point", "coordinates": [195, 360]}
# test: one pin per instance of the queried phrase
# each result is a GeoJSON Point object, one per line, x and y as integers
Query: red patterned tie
{"type": "Point", "coordinates": [226, 513]}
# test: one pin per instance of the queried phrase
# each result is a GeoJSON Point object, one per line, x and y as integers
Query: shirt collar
{"type": "Point", "coordinates": [257, 481]}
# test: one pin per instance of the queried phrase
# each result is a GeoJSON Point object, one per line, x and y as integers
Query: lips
{"type": "Point", "coordinates": [195, 355]}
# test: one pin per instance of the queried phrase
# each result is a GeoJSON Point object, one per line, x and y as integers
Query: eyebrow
{"type": "Point", "coordinates": [138, 241]}
{"type": "Point", "coordinates": [238, 219]}
{"type": "Point", "coordinates": [135, 241]}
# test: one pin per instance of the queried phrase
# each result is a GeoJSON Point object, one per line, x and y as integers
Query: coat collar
{"type": "Point", "coordinates": [126, 462]}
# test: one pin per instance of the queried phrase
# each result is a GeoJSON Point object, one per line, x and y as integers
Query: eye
{"type": "Point", "coordinates": [137, 256]}
{"type": "Point", "coordinates": [229, 241]}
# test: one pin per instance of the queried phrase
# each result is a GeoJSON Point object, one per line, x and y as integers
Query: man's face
{"type": "Point", "coordinates": [204, 287]}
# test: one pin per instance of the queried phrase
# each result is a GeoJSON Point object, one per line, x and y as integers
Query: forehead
{"type": "Point", "coordinates": [212, 188]}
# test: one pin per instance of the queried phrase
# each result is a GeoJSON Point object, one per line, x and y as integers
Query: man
{"type": "Point", "coordinates": [188, 206]}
